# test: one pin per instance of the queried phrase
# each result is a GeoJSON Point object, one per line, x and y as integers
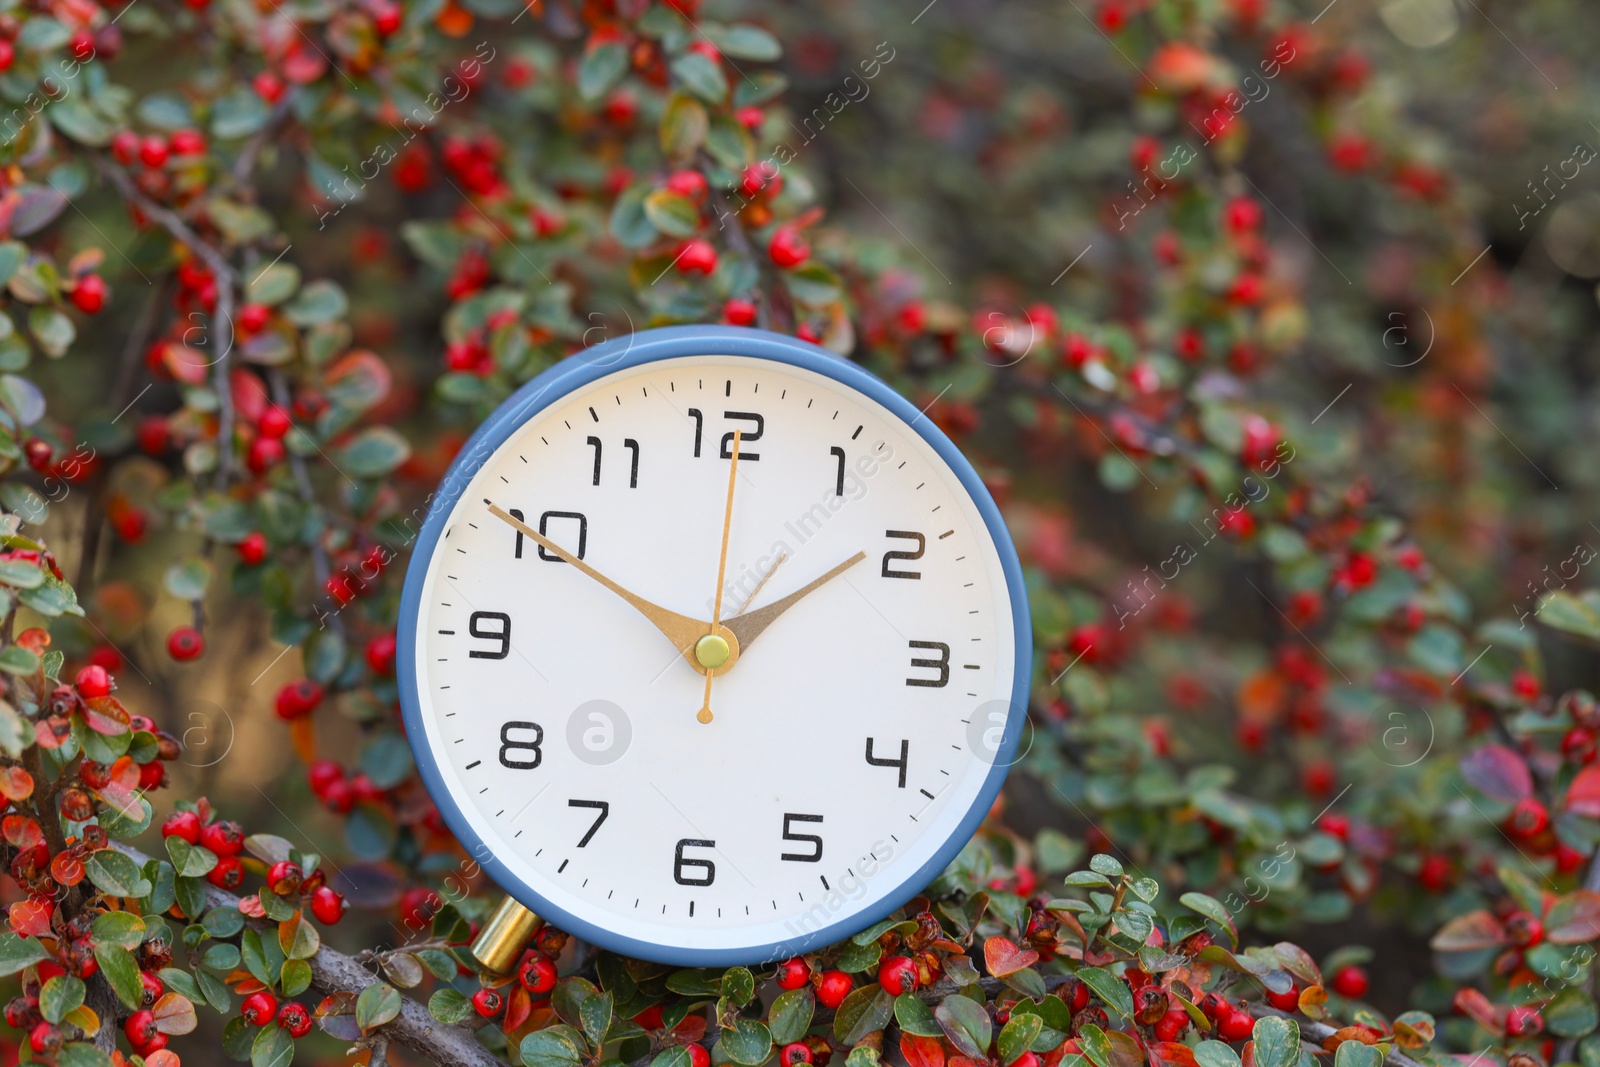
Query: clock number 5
{"type": "Point", "coordinates": [905, 758]}
{"type": "Point", "coordinates": [942, 664]}
{"type": "Point", "coordinates": [680, 862]}
{"type": "Point", "coordinates": [812, 839]}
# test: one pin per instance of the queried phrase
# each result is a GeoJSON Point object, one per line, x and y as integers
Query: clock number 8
{"type": "Point", "coordinates": [508, 745]}
{"type": "Point", "coordinates": [680, 862]}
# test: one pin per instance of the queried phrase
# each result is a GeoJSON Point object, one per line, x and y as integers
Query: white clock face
{"type": "Point", "coordinates": [849, 739]}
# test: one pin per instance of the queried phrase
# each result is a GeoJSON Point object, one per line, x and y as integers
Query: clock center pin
{"type": "Point", "coordinates": [712, 651]}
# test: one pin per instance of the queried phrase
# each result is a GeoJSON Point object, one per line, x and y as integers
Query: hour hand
{"type": "Point", "coordinates": [748, 627]}
{"type": "Point", "coordinates": [681, 630]}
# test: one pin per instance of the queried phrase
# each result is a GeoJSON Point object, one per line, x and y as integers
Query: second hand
{"type": "Point", "coordinates": [722, 569]}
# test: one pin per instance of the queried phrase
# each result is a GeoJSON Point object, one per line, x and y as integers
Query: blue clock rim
{"type": "Point", "coordinates": [578, 371]}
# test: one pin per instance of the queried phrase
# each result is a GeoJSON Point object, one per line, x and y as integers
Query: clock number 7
{"type": "Point", "coordinates": [905, 758]}
{"type": "Point", "coordinates": [603, 807]}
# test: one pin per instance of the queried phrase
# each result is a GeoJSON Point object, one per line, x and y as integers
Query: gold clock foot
{"type": "Point", "coordinates": [500, 942]}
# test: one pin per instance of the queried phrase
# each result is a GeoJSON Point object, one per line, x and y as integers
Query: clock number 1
{"type": "Point", "coordinates": [680, 862]}
{"type": "Point", "coordinates": [905, 758]}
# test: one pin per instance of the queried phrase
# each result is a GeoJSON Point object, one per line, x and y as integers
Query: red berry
{"type": "Point", "coordinates": [488, 1002]}
{"type": "Point", "coordinates": [1525, 930]}
{"type": "Point", "coordinates": [787, 247]}
{"type": "Point", "coordinates": [1286, 1001]}
{"type": "Point", "coordinates": [140, 1028]}
{"type": "Point", "coordinates": [224, 838]}
{"type": "Point", "coordinates": [1528, 818]}
{"type": "Point", "coordinates": [274, 422]}
{"type": "Point", "coordinates": [188, 143]}
{"type": "Point", "coordinates": [696, 257]}
{"type": "Point", "coordinates": [298, 699]}
{"type": "Point", "coordinates": [227, 874]}
{"type": "Point", "coordinates": [184, 824]}
{"type": "Point", "coordinates": [322, 774]}
{"type": "Point", "coordinates": [1434, 873]}
{"type": "Point", "coordinates": [268, 86]}
{"type": "Point", "coordinates": [690, 183]}
{"type": "Point", "coordinates": [327, 906]}
{"type": "Point", "coordinates": [380, 654]}
{"type": "Point", "coordinates": [897, 975]}
{"type": "Point", "coordinates": [252, 318]}
{"type": "Point", "coordinates": [834, 987]}
{"type": "Point", "coordinates": [1242, 215]}
{"type": "Point", "coordinates": [153, 988]}
{"type": "Point", "coordinates": [45, 1039]}
{"type": "Point", "coordinates": [153, 151]}
{"type": "Point", "coordinates": [284, 877]}
{"type": "Point", "coordinates": [152, 775]}
{"type": "Point", "coordinates": [739, 312]}
{"type": "Point", "coordinates": [124, 145]}
{"type": "Point", "coordinates": [259, 1008]}
{"type": "Point", "coordinates": [253, 549]}
{"type": "Point", "coordinates": [1350, 981]}
{"type": "Point", "coordinates": [1524, 1021]}
{"type": "Point", "coordinates": [1335, 825]}
{"type": "Point", "coordinates": [795, 1054]}
{"type": "Point", "coordinates": [1027, 1059]}
{"type": "Point", "coordinates": [153, 435]}
{"type": "Point", "coordinates": [698, 1056]}
{"type": "Point", "coordinates": [1525, 685]}
{"type": "Point", "coordinates": [793, 973]}
{"type": "Point", "coordinates": [538, 975]}
{"type": "Point", "coordinates": [1578, 745]}
{"type": "Point", "coordinates": [1236, 1026]}
{"type": "Point", "coordinates": [264, 454]}
{"type": "Point", "coordinates": [89, 295]}
{"type": "Point", "coordinates": [185, 643]}
{"type": "Point", "coordinates": [294, 1018]}
{"type": "Point", "coordinates": [92, 682]}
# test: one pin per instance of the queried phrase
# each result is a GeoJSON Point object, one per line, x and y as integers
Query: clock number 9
{"type": "Point", "coordinates": [500, 633]}
{"type": "Point", "coordinates": [508, 745]}
{"type": "Point", "coordinates": [680, 862]}
{"type": "Point", "coordinates": [812, 839]}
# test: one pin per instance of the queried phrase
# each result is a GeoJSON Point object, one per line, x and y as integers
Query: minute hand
{"type": "Point", "coordinates": [681, 630]}
{"type": "Point", "coordinates": [748, 627]}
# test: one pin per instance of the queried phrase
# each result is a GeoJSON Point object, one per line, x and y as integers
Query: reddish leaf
{"type": "Point", "coordinates": [1498, 773]}
{"type": "Point", "coordinates": [251, 906]}
{"type": "Point", "coordinates": [518, 1007]}
{"type": "Point", "coordinates": [921, 1051]}
{"type": "Point", "coordinates": [1171, 1054]}
{"type": "Point", "coordinates": [1583, 795]}
{"type": "Point", "coordinates": [1470, 932]}
{"type": "Point", "coordinates": [106, 715]}
{"type": "Point", "coordinates": [162, 1058]}
{"type": "Point", "coordinates": [174, 1014]}
{"type": "Point", "coordinates": [692, 1028]}
{"type": "Point", "coordinates": [16, 784]}
{"type": "Point", "coordinates": [21, 831]}
{"type": "Point", "coordinates": [31, 918]}
{"type": "Point", "coordinates": [1574, 918]}
{"type": "Point", "coordinates": [1476, 1006]}
{"type": "Point", "coordinates": [67, 868]}
{"type": "Point", "coordinates": [1003, 958]}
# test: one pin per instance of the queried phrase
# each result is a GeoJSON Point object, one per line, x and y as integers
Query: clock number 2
{"type": "Point", "coordinates": [942, 664]}
{"type": "Point", "coordinates": [811, 839]}
{"type": "Point", "coordinates": [905, 758]}
{"type": "Point", "coordinates": [680, 862]}
{"type": "Point", "coordinates": [510, 745]}
{"type": "Point", "coordinates": [906, 535]}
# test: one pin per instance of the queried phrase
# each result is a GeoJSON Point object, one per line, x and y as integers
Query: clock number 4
{"type": "Point", "coordinates": [514, 750]}
{"type": "Point", "coordinates": [942, 664]}
{"type": "Point", "coordinates": [544, 530]}
{"type": "Point", "coordinates": [602, 806]}
{"type": "Point", "coordinates": [905, 758]}
{"type": "Point", "coordinates": [811, 839]}
{"type": "Point", "coordinates": [681, 863]}
{"type": "Point", "coordinates": [747, 436]}
{"type": "Point", "coordinates": [633, 472]}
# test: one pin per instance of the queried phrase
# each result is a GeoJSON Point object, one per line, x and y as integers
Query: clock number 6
{"type": "Point", "coordinates": [789, 835]}
{"type": "Point", "coordinates": [905, 758]}
{"type": "Point", "coordinates": [680, 862]}
{"type": "Point", "coordinates": [509, 745]}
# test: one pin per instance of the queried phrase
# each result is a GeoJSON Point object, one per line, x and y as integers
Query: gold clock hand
{"type": "Point", "coordinates": [681, 630]}
{"type": "Point", "coordinates": [722, 571]}
{"type": "Point", "coordinates": [748, 627]}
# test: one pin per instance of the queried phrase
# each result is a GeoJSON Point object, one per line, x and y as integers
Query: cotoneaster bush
{"type": "Point", "coordinates": [1295, 477]}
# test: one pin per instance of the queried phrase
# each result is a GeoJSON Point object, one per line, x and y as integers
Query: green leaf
{"type": "Point", "coordinates": [595, 1013]}
{"type": "Point", "coordinates": [238, 114]}
{"type": "Point", "coordinates": [676, 1056]}
{"type": "Point", "coordinates": [744, 42]}
{"type": "Point", "coordinates": [298, 937]}
{"type": "Point", "coordinates": [1101, 863]}
{"type": "Point", "coordinates": [278, 282]}
{"type": "Point", "coordinates": [814, 284]}
{"type": "Point", "coordinates": [1277, 1042]}
{"type": "Point", "coordinates": [296, 977]}
{"type": "Point", "coordinates": [372, 453]}
{"type": "Point", "coordinates": [187, 580]}
{"type": "Point", "coordinates": [60, 995]}
{"type": "Point", "coordinates": [273, 1047]}
{"type": "Point", "coordinates": [122, 971]}
{"type": "Point", "coordinates": [387, 760]}
{"type": "Point", "coordinates": [629, 223]}
{"type": "Point", "coordinates": [75, 118]}
{"type": "Point", "coordinates": [190, 861]}
{"type": "Point", "coordinates": [790, 1016]}
{"type": "Point", "coordinates": [449, 1006]}
{"type": "Point", "coordinates": [321, 301]}
{"type": "Point", "coordinates": [1348, 1054]}
{"type": "Point", "coordinates": [1220, 1054]}
{"type": "Point", "coordinates": [116, 874]}
{"type": "Point", "coordinates": [915, 1017]}
{"type": "Point", "coordinates": [672, 213]}
{"type": "Point", "coordinates": [1570, 614]}
{"type": "Point", "coordinates": [15, 659]}
{"type": "Point", "coordinates": [52, 329]}
{"type": "Point", "coordinates": [1109, 988]}
{"type": "Point", "coordinates": [121, 928]}
{"type": "Point", "coordinates": [377, 1004]}
{"type": "Point", "coordinates": [748, 1043]}
{"type": "Point", "coordinates": [684, 125]}
{"type": "Point", "coordinates": [1571, 1013]}
{"type": "Point", "coordinates": [1017, 1036]}
{"type": "Point", "coordinates": [701, 77]}
{"type": "Point", "coordinates": [550, 1048]}
{"type": "Point", "coordinates": [601, 69]}
{"type": "Point", "coordinates": [82, 1054]}
{"type": "Point", "coordinates": [1212, 909]}
{"type": "Point", "coordinates": [966, 1024]}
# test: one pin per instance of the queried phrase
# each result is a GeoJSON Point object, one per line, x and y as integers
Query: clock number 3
{"type": "Point", "coordinates": [681, 863]}
{"type": "Point", "coordinates": [942, 664]}
{"type": "Point", "coordinates": [510, 745]}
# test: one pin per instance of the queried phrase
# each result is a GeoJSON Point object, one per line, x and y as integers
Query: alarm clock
{"type": "Point", "coordinates": [713, 649]}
